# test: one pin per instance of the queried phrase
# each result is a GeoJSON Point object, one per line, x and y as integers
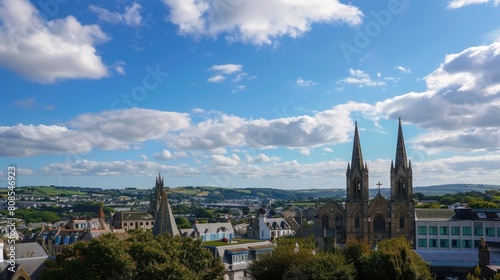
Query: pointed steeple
{"type": "Point", "coordinates": [165, 221]}
{"type": "Point", "coordinates": [401, 159]}
{"type": "Point", "coordinates": [357, 156]}
{"type": "Point", "coordinates": [100, 214]}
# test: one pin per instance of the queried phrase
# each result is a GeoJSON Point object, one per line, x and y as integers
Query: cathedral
{"type": "Point", "coordinates": [372, 220]}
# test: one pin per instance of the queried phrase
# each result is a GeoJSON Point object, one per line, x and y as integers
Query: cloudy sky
{"type": "Point", "coordinates": [238, 93]}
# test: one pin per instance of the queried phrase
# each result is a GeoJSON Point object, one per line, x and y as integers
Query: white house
{"type": "Point", "coordinates": [273, 228]}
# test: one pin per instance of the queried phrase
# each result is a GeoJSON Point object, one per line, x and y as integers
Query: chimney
{"type": "Point", "coordinates": [484, 253]}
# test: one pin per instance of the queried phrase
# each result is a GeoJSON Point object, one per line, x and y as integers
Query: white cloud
{"type": "Point", "coordinates": [220, 160]}
{"type": "Point", "coordinates": [223, 71]}
{"type": "Point", "coordinates": [360, 78]}
{"type": "Point", "coordinates": [258, 22]}
{"type": "Point", "coordinates": [226, 68]}
{"type": "Point", "coordinates": [131, 125]}
{"type": "Point", "coordinates": [238, 88]}
{"type": "Point", "coordinates": [107, 130]}
{"type": "Point", "coordinates": [461, 105]}
{"type": "Point", "coordinates": [455, 4]}
{"type": "Point", "coordinates": [30, 140]}
{"type": "Point", "coordinates": [166, 155]}
{"type": "Point", "coordinates": [304, 83]}
{"type": "Point", "coordinates": [29, 103]}
{"type": "Point", "coordinates": [298, 132]}
{"type": "Point", "coordinates": [459, 169]}
{"type": "Point", "coordinates": [131, 16]}
{"type": "Point", "coordinates": [260, 158]}
{"type": "Point", "coordinates": [116, 168]}
{"type": "Point", "coordinates": [403, 69]}
{"type": "Point", "coordinates": [326, 149]}
{"type": "Point", "coordinates": [47, 51]}
{"type": "Point", "coordinates": [216, 79]}
{"type": "Point", "coordinates": [119, 67]}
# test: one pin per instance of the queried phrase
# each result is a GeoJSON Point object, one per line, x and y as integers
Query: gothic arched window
{"type": "Point", "coordinates": [401, 220]}
{"type": "Point", "coordinates": [379, 224]}
{"type": "Point", "coordinates": [356, 188]}
{"type": "Point", "coordinates": [339, 222]}
{"type": "Point", "coordinates": [402, 189]}
{"type": "Point", "coordinates": [356, 221]}
{"type": "Point", "coordinates": [324, 221]}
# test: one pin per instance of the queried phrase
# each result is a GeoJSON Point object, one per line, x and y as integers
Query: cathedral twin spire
{"type": "Point", "coordinates": [401, 159]}
{"type": "Point", "coordinates": [357, 169]}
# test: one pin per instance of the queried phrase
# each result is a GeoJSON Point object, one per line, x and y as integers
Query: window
{"type": "Point", "coordinates": [443, 243]}
{"type": "Point", "coordinates": [455, 230]}
{"type": "Point", "coordinates": [433, 243]}
{"type": "Point", "coordinates": [422, 230]}
{"type": "Point", "coordinates": [356, 222]}
{"type": "Point", "coordinates": [339, 222]}
{"type": "Point", "coordinates": [498, 232]}
{"type": "Point", "coordinates": [455, 243]}
{"type": "Point", "coordinates": [379, 224]}
{"type": "Point", "coordinates": [466, 230]}
{"type": "Point", "coordinates": [478, 231]}
{"type": "Point", "coordinates": [490, 231]}
{"type": "Point", "coordinates": [401, 220]}
{"type": "Point", "coordinates": [481, 215]}
{"type": "Point", "coordinates": [443, 230]}
{"type": "Point", "coordinates": [433, 230]}
{"type": "Point", "coordinates": [422, 243]}
{"type": "Point", "coordinates": [240, 258]}
{"type": "Point", "coordinates": [467, 244]}
{"type": "Point", "coordinates": [324, 221]}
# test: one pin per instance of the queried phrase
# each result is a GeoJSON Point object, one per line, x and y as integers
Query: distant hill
{"type": "Point", "coordinates": [454, 188]}
{"type": "Point", "coordinates": [219, 194]}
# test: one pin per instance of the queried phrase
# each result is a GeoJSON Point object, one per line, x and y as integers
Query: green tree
{"type": "Point", "coordinates": [182, 222]}
{"type": "Point", "coordinates": [478, 203]}
{"type": "Point", "coordinates": [322, 267]}
{"type": "Point", "coordinates": [140, 256]}
{"type": "Point", "coordinates": [275, 265]}
{"type": "Point", "coordinates": [357, 253]}
{"type": "Point", "coordinates": [204, 214]}
{"type": "Point", "coordinates": [394, 259]}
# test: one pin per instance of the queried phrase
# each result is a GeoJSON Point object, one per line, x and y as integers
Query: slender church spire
{"type": "Point", "coordinates": [401, 159]}
{"type": "Point", "coordinates": [357, 156]}
{"type": "Point", "coordinates": [165, 221]}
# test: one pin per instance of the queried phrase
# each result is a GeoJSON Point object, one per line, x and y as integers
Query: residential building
{"type": "Point", "coordinates": [210, 231]}
{"type": "Point", "coordinates": [236, 257]}
{"type": "Point", "coordinates": [268, 228]}
{"type": "Point", "coordinates": [29, 260]}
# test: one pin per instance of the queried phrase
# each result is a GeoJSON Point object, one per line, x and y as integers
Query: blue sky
{"type": "Point", "coordinates": [236, 93]}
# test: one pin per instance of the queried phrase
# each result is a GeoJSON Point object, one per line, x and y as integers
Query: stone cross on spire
{"type": "Point", "coordinates": [379, 184]}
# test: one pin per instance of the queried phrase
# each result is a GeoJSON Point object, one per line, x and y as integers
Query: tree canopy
{"type": "Point", "coordinates": [140, 256]}
{"type": "Point", "coordinates": [393, 259]}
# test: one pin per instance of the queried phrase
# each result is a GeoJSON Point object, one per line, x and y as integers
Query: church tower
{"type": "Point", "coordinates": [356, 204]}
{"type": "Point", "coordinates": [164, 218]}
{"type": "Point", "coordinates": [155, 196]}
{"type": "Point", "coordinates": [402, 203]}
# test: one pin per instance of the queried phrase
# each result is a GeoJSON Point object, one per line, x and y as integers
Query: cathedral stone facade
{"type": "Point", "coordinates": [372, 220]}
